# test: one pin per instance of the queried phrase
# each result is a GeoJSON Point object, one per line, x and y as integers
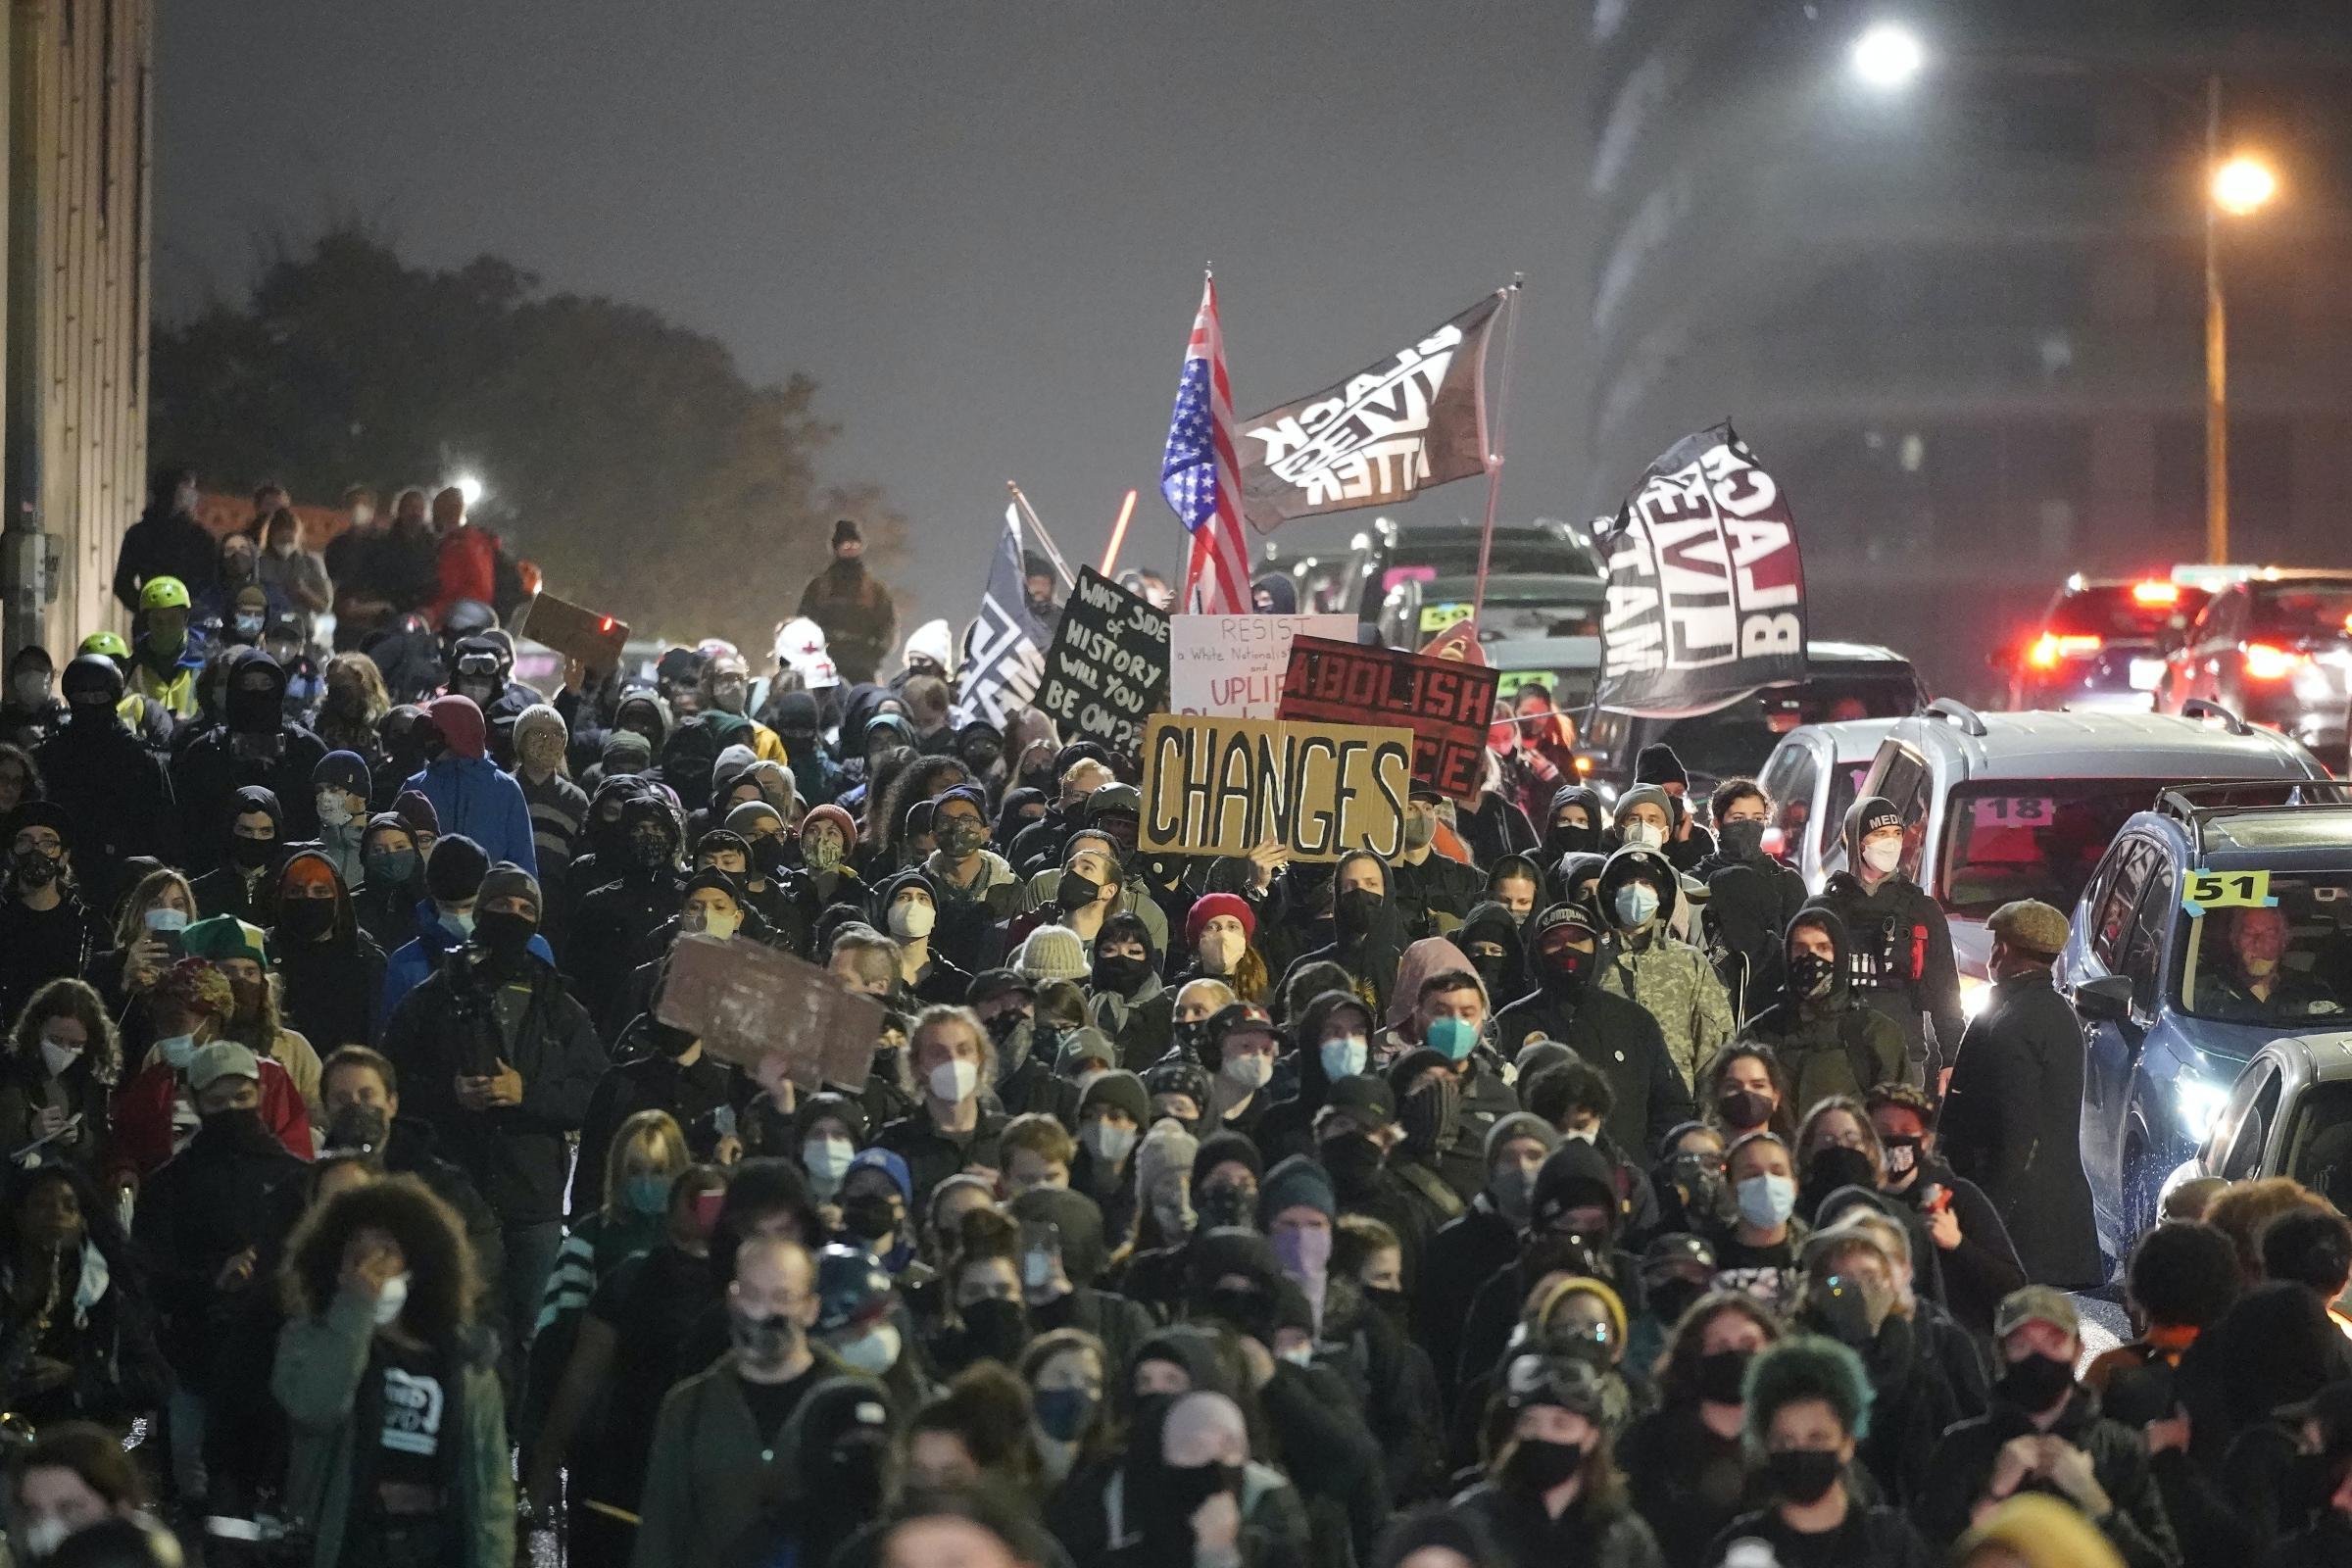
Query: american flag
{"type": "Point", "coordinates": [1199, 476]}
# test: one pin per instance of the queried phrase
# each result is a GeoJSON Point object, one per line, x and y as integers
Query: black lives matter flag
{"type": "Point", "coordinates": [1005, 647]}
{"type": "Point", "coordinates": [1706, 594]}
{"type": "Point", "coordinates": [1415, 419]}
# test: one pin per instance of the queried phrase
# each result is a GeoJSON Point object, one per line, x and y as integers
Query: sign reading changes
{"type": "Point", "coordinates": [1108, 667]}
{"type": "Point", "coordinates": [1224, 786]}
{"type": "Point", "coordinates": [1446, 703]}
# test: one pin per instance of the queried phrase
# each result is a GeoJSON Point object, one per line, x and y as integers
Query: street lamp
{"type": "Point", "coordinates": [1886, 55]}
{"type": "Point", "coordinates": [470, 488]}
{"type": "Point", "coordinates": [2235, 187]}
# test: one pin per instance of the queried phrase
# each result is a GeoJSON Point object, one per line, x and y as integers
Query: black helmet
{"type": "Point", "coordinates": [92, 679]}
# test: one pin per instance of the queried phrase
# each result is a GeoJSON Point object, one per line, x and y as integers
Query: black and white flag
{"type": "Point", "coordinates": [1706, 593]}
{"type": "Point", "coordinates": [1005, 648]}
{"type": "Point", "coordinates": [1415, 419]}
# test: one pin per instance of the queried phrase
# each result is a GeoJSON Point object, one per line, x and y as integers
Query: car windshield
{"type": "Point", "coordinates": [1845, 787]}
{"type": "Point", "coordinates": [2031, 839]}
{"type": "Point", "coordinates": [2289, 962]}
{"type": "Point", "coordinates": [2320, 1152]}
{"type": "Point", "coordinates": [1515, 555]}
{"type": "Point", "coordinates": [2126, 612]}
{"type": "Point", "coordinates": [2290, 612]}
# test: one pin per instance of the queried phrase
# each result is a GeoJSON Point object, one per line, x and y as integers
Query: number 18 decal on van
{"type": "Point", "coordinates": [2201, 891]}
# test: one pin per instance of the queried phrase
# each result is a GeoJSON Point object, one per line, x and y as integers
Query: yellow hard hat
{"type": "Point", "coordinates": [164, 593]}
{"type": "Point", "coordinates": [109, 643]}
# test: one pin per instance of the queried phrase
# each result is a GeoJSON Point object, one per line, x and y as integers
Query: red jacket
{"type": "Point", "coordinates": [143, 1116]}
{"type": "Point", "coordinates": [467, 568]}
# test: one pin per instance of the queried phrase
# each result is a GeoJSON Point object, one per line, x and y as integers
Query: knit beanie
{"type": "Point", "coordinates": [1520, 1124]}
{"type": "Point", "coordinates": [454, 872]}
{"type": "Point", "coordinates": [1209, 907]}
{"type": "Point", "coordinates": [1121, 1091]}
{"type": "Point", "coordinates": [1052, 953]}
{"type": "Point", "coordinates": [1166, 1147]}
{"type": "Point", "coordinates": [505, 880]}
{"type": "Point", "coordinates": [1226, 1148]}
{"type": "Point", "coordinates": [1297, 1182]}
{"type": "Point", "coordinates": [537, 717]}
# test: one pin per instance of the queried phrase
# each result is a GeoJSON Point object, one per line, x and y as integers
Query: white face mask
{"type": "Point", "coordinates": [1248, 1071]}
{"type": "Point", "coordinates": [910, 922]}
{"type": "Point", "coordinates": [1301, 1355]}
{"type": "Point", "coordinates": [1882, 856]}
{"type": "Point", "coordinates": [874, 1353]}
{"type": "Point", "coordinates": [952, 1082]}
{"type": "Point", "coordinates": [1644, 833]}
{"type": "Point", "coordinates": [332, 810]}
{"type": "Point", "coordinates": [1220, 950]}
{"type": "Point", "coordinates": [59, 1054]}
{"type": "Point", "coordinates": [1345, 1057]}
{"type": "Point", "coordinates": [393, 1297]}
{"type": "Point", "coordinates": [710, 923]}
{"type": "Point", "coordinates": [827, 1161]}
{"type": "Point", "coordinates": [1106, 1143]}
{"type": "Point", "coordinates": [42, 1534]}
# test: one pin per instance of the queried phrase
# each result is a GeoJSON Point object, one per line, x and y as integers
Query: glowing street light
{"type": "Point", "coordinates": [2244, 185]}
{"type": "Point", "coordinates": [1886, 55]}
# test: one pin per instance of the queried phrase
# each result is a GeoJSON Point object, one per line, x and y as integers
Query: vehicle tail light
{"type": "Point", "coordinates": [2155, 591]}
{"type": "Point", "coordinates": [2049, 650]}
{"type": "Point", "coordinates": [2268, 661]}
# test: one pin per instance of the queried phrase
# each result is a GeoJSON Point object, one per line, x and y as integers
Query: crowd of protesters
{"type": "Point", "coordinates": [1569, 1189]}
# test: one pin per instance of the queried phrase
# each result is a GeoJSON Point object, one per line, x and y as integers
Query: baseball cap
{"type": "Point", "coordinates": [1365, 1097]}
{"type": "Point", "coordinates": [222, 1058]}
{"type": "Point", "coordinates": [2035, 1304]}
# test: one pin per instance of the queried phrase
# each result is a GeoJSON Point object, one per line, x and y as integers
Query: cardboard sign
{"type": "Point", "coordinates": [1233, 664]}
{"type": "Point", "coordinates": [1224, 786]}
{"type": "Point", "coordinates": [1446, 701]}
{"type": "Point", "coordinates": [594, 638]}
{"type": "Point", "coordinates": [746, 1001]}
{"type": "Point", "coordinates": [2227, 890]}
{"type": "Point", "coordinates": [1107, 670]}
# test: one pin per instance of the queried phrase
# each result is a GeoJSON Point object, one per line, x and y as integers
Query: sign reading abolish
{"type": "Point", "coordinates": [1446, 703]}
{"type": "Point", "coordinates": [1107, 669]}
{"type": "Point", "coordinates": [746, 1002]}
{"type": "Point", "coordinates": [1224, 786]}
{"type": "Point", "coordinates": [1706, 593]}
{"type": "Point", "coordinates": [1234, 663]}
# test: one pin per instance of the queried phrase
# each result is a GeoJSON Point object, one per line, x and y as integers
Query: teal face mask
{"type": "Point", "coordinates": [647, 1193]}
{"type": "Point", "coordinates": [1451, 1038]}
{"type": "Point", "coordinates": [176, 1050]}
{"type": "Point", "coordinates": [460, 926]}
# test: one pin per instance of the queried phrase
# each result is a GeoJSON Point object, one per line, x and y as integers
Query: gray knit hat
{"type": "Point", "coordinates": [1052, 953]}
{"type": "Point", "coordinates": [507, 880]}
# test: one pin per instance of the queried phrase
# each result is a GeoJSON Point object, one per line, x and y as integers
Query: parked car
{"type": "Point", "coordinates": [2157, 970]}
{"type": "Point", "coordinates": [1843, 681]}
{"type": "Point", "coordinates": [2290, 1113]}
{"type": "Point", "coordinates": [2102, 643]}
{"type": "Point", "coordinates": [2023, 806]}
{"type": "Point", "coordinates": [1813, 776]}
{"type": "Point", "coordinates": [2277, 647]}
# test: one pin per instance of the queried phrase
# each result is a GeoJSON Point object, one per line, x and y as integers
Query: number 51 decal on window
{"type": "Point", "coordinates": [2227, 890]}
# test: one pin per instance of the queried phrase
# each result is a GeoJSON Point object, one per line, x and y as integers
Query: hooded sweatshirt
{"type": "Point", "coordinates": [1369, 951]}
{"type": "Point", "coordinates": [1832, 1043]}
{"type": "Point", "coordinates": [468, 793]}
{"type": "Point", "coordinates": [1670, 979]}
{"type": "Point", "coordinates": [1559, 841]}
{"type": "Point", "coordinates": [1900, 957]}
{"type": "Point", "coordinates": [1505, 977]}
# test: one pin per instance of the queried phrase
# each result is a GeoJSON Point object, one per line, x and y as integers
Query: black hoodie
{"type": "Point", "coordinates": [1289, 1126]}
{"type": "Point", "coordinates": [1830, 1045]}
{"type": "Point", "coordinates": [1901, 954]}
{"type": "Point", "coordinates": [1507, 978]}
{"type": "Point", "coordinates": [942, 980]}
{"type": "Point", "coordinates": [1370, 955]}
{"type": "Point", "coordinates": [1617, 1035]}
{"type": "Point", "coordinates": [251, 895]}
{"type": "Point", "coordinates": [1587, 840]}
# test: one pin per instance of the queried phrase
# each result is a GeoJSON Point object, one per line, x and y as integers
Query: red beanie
{"type": "Point", "coordinates": [1212, 905]}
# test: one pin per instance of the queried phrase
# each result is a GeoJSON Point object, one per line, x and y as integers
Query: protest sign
{"type": "Point", "coordinates": [1224, 786]}
{"type": "Point", "coordinates": [594, 638]}
{"type": "Point", "coordinates": [1446, 701]}
{"type": "Point", "coordinates": [1233, 664]}
{"type": "Point", "coordinates": [1706, 593]}
{"type": "Point", "coordinates": [1107, 669]}
{"type": "Point", "coordinates": [1415, 419]}
{"type": "Point", "coordinates": [746, 1001]}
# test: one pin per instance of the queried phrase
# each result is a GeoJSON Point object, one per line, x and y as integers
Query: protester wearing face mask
{"type": "Point", "coordinates": [614, 925]}
{"type": "Point", "coordinates": [155, 1113]}
{"type": "Point", "coordinates": [502, 1061]}
{"type": "Point", "coordinates": [1643, 817]}
{"type": "Point", "coordinates": [1060, 1255]}
{"type": "Point", "coordinates": [953, 1060]}
{"type": "Point", "coordinates": [1219, 931]}
{"type": "Point", "coordinates": [1684, 1460]}
{"type": "Point", "coordinates": [391, 882]}
{"type": "Point", "coordinates": [30, 713]}
{"type": "Point", "coordinates": [1244, 1043]}
{"type": "Point", "coordinates": [246, 884]}
{"type": "Point", "coordinates": [1489, 938]}
{"type": "Point", "coordinates": [75, 1476]}
{"type": "Point", "coordinates": [2044, 1432]}
{"type": "Point", "coordinates": [211, 1222]}
{"type": "Point", "coordinates": [62, 1062]}
{"type": "Point", "coordinates": [1553, 1491]}
{"type": "Point", "coordinates": [1743, 815]}
{"type": "Point", "coordinates": [1220, 1192]}
{"type": "Point", "coordinates": [1334, 1034]}
{"type": "Point", "coordinates": [1129, 1003]}
{"type": "Point", "coordinates": [1808, 1407]}
{"type": "Point", "coordinates": [1901, 958]}
{"type": "Point", "coordinates": [242, 953]}
{"type": "Point", "coordinates": [1977, 1263]}
{"type": "Point", "coordinates": [1436, 887]}
{"type": "Point", "coordinates": [2022, 1080]}
{"type": "Point", "coordinates": [1368, 932]}
{"type": "Point", "coordinates": [1673, 982]}
{"type": "Point", "coordinates": [1163, 1190]}
{"type": "Point", "coordinates": [47, 932]}
{"type": "Point", "coordinates": [640, 1164]}
{"type": "Point", "coordinates": [824, 876]}
{"type": "Point", "coordinates": [1757, 1251]}
{"type": "Point", "coordinates": [1573, 824]}
{"type": "Point", "coordinates": [1469, 1248]}
{"type": "Point", "coordinates": [718, 1455]}
{"type": "Point", "coordinates": [1828, 1041]}
{"type": "Point", "coordinates": [1111, 1113]}
{"type": "Point", "coordinates": [1620, 1037]}
{"type": "Point", "coordinates": [1855, 1293]}
{"type": "Point", "coordinates": [382, 1341]}
{"type": "Point", "coordinates": [909, 907]}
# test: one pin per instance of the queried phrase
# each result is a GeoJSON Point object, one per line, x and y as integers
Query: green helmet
{"type": "Point", "coordinates": [164, 593]}
{"type": "Point", "coordinates": [109, 643]}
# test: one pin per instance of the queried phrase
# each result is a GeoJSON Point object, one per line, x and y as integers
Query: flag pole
{"type": "Point", "coordinates": [1502, 414]}
{"type": "Point", "coordinates": [1118, 533]}
{"type": "Point", "coordinates": [1053, 550]}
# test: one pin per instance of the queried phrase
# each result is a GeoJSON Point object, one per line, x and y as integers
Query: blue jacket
{"type": "Point", "coordinates": [470, 796]}
{"type": "Point", "coordinates": [418, 958]}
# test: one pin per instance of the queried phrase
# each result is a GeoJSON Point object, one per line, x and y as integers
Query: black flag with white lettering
{"type": "Point", "coordinates": [1415, 419]}
{"type": "Point", "coordinates": [1706, 593]}
{"type": "Point", "coordinates": [1005, 646]}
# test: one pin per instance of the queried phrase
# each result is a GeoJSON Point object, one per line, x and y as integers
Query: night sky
{"type": "Point", "coordinates": [979, 228]}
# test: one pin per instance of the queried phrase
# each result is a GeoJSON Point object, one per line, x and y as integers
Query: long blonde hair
{"type": "Point", "coordinates": [657, 1128]}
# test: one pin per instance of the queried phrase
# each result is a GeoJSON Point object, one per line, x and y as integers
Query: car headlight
{"type": "Point", "coordinates": [2198, 1100]}
{"type": "Point", "coordinates": [1976, 993]}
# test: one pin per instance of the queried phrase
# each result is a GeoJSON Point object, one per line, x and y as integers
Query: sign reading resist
{"type": "Point", "coordinates": [1107, 669]}
{"type": "Point", "coordinates": [1446, 703]}
{"type": "Point", "coordinates": [1234, 663]}
{"type": "Point", "coordinates": [1706, 593]}
{"type": "Point", "coordinates": [1224, 786]}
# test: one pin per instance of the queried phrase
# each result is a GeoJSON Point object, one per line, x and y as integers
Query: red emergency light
{"type": "Point", "coordinates": [2155, 591]}
{"type": "Point", "coordinates": [2050, 649]}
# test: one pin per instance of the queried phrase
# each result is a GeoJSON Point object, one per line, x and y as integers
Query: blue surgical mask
{"type": "Point", "coordinates": [646, 1193]}
{"type": "Point", "coordinates": [460, 925]}
{"type": "Point", "coordinates": [1452, 1038]}
{"type": "Point", "coordinates": [1637, 904]}
{"type": "Point", "coordinates": [165, 920]}
{"type": "Point", "coordinates": [176, 1050]}
{"type": "Point", "coordinates": [1767, 1200]}
{"type": "Point", "coordinates": [1345, 1057]}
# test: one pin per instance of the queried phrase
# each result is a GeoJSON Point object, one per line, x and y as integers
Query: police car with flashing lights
{"type": "Point", "coordinates": [2217, 923]}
